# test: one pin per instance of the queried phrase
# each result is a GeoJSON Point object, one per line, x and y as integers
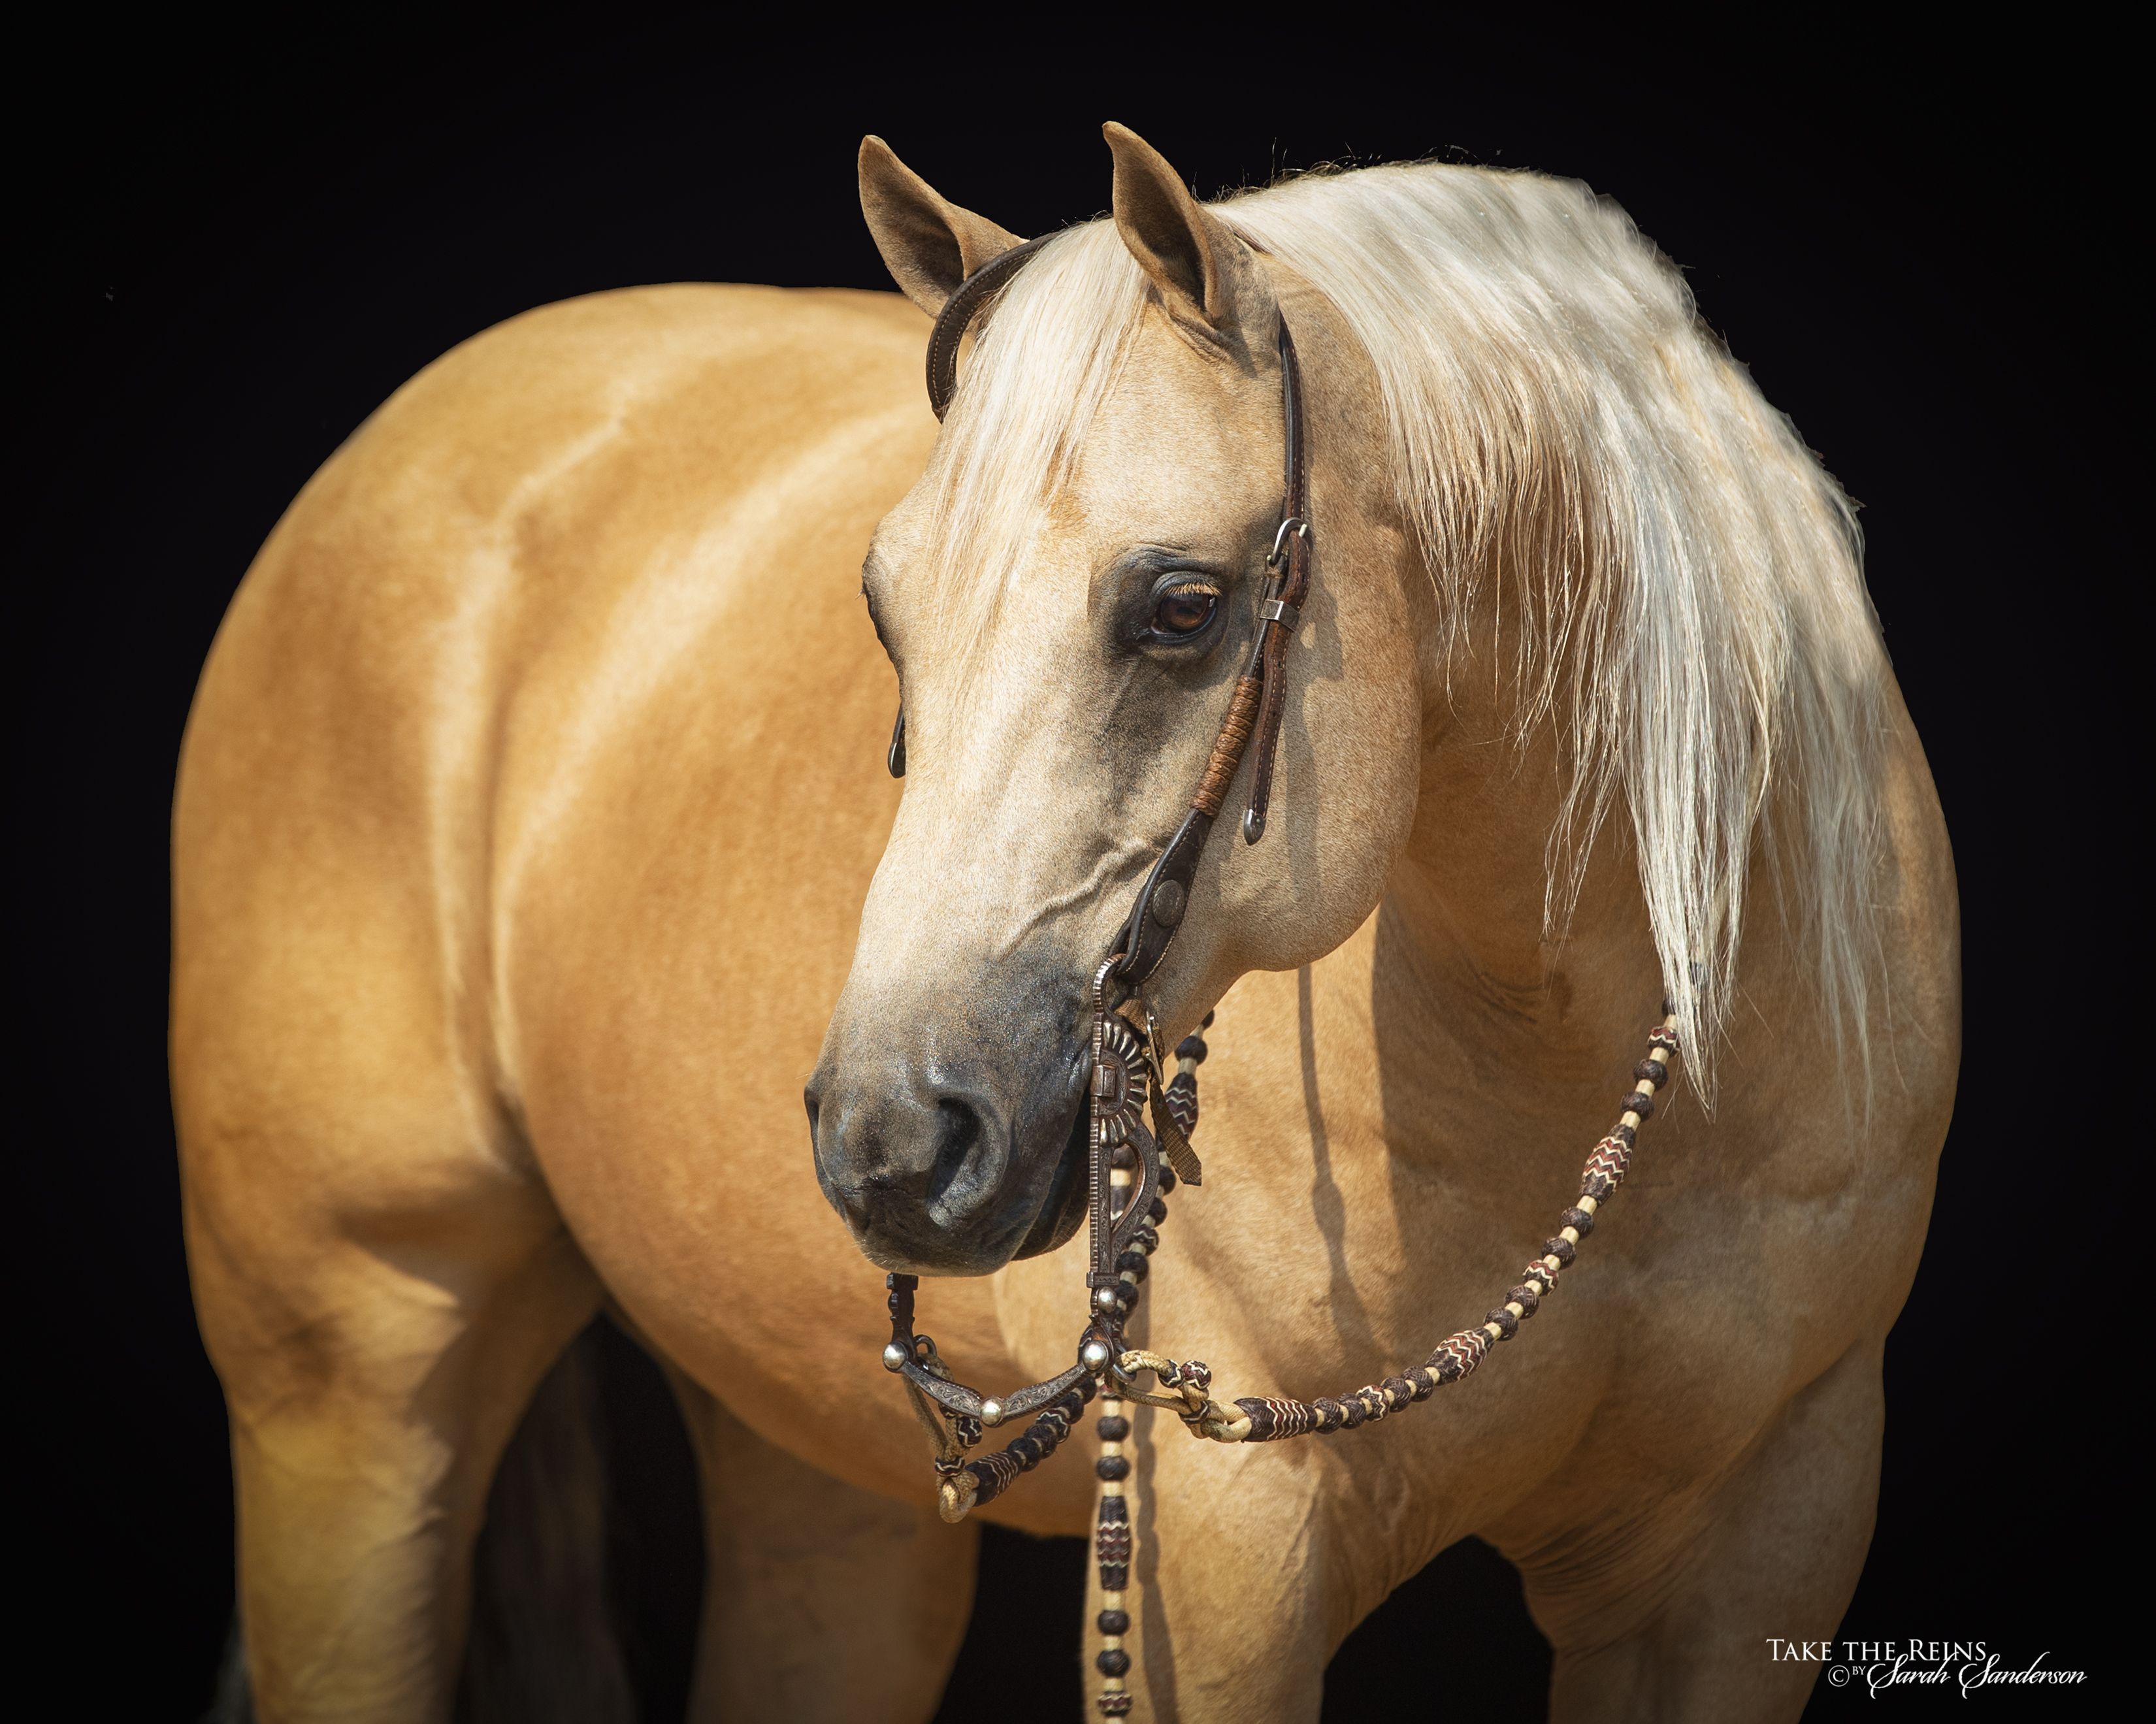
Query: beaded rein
{"type": "Point", "coordinates": [1129, 1181]}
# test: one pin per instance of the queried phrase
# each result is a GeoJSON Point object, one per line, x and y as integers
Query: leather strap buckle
{"type": "Point", "coordinates": [1279, 610]}
{"type": "Point", "coordinates": [1294, 524]}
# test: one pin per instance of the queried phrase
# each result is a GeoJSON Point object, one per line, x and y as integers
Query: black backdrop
{"type": "Point", "coordinates": [240, 244]}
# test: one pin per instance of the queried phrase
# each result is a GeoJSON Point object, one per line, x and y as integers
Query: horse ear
{"type": "Point", "coordinates": [929, 245]}
{"type": "Point", "coordinates": [1199, 266]}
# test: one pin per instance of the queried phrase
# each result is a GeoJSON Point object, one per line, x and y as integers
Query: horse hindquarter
{"type": "Point", "coordinates": [408, 703]}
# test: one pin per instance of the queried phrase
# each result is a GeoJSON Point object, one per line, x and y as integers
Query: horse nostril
{"type": "Point", "coordinates": [814, 1104]}
{"type": "Point", "coordinates": [957, 1134]}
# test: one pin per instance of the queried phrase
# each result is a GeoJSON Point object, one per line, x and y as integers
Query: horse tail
{"type": "Point", "coordinates": [234, 1701]}
{"type": "Point", "coordinates": [544, 1646]}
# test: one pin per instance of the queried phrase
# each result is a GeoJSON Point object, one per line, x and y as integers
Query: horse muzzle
{"type": "Point", "coordinates": [938, 1168]}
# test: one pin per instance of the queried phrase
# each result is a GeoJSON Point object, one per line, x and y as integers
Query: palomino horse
{"type": "Point", "coordinates": [535, 789]}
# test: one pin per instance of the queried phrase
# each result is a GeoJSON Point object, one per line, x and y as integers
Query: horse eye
{"type": "Point", "coordinates": [1182, 611]}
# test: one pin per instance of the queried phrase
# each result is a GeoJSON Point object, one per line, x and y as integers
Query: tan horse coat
{"type": "Point", "coordinates": [528, 810]}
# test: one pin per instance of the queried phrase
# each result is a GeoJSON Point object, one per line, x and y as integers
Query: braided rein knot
{"type": "Point", "coordinates": [956, 1493]}
{"type": "Point", "coordinates": [1190, 1400]}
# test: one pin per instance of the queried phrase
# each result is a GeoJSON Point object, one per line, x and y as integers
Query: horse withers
{"type": "Point", "coordinates": [534, 841]}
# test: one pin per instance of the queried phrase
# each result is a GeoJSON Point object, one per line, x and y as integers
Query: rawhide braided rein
{"type": "Point", "coordinates": [1129, 1182]}
{"type": "Point", "coordinates": [1271, 1419]}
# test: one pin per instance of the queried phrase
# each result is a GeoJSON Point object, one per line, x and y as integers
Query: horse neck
{"type": "Point", "coordinates": [1470, 976]}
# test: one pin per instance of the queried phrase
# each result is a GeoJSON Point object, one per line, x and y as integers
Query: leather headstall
{"type": "Point", "coordinates": [1254, 709]}
{"type": "Point", "coordinates": [957, 316]}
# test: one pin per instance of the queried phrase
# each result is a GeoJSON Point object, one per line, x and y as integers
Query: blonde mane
{"type": "Point", "coordinates": [1685, 581]}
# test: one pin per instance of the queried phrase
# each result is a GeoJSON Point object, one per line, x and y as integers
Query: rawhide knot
{"type": "Point", "coordinates": [955, 1493]}
{"type": "Point", "coordinates": [1182, 1099]}
{"type": "Point", "coordinates": [1197, 1373]}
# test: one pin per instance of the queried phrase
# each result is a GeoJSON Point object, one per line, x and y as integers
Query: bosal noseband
{"type": "Point", "coordinates": [1130, 1169]}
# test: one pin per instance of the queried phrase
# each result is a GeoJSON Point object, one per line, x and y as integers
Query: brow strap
{"type": "Point", "coordinates": [959, 313]}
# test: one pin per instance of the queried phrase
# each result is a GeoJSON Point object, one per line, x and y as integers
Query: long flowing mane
{"type": "Point", "coordinates": [1687, 602]}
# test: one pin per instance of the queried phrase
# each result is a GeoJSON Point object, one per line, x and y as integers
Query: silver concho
{"type": "Point", "coordinates": [1121, 1081]}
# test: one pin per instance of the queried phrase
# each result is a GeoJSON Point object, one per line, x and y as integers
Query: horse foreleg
{"type": "Point", "coordinates": [372, 1392]}
{"type": "Point", "coordinates": [822, 1601]}
{"type": "Point", "coordinates": [1672, 1619]}
{"type": "Point", "coordinates": [1229, 1613]}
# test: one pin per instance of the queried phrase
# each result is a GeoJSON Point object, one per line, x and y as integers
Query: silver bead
{"type": "Point", "coordinates": [894, 1356]}
{"type": "Point", "coordinates": [1105, 1297]}
{"type": "Point", "coordinates": [1094, 1356]}
{"type": "Point", "coordinates": [991, 1413]}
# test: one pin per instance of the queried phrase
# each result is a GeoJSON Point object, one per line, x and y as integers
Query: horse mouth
{"type": "Point", "coordinates": [1064, 1207]}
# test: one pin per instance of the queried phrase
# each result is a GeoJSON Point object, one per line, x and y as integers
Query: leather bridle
{"type": "Point", "coordinates": [1130, 1169]}
{"type": "Point", "coordinates": [1128, 1068]}
{"type": "Point", "coordinates": [1256, 708]}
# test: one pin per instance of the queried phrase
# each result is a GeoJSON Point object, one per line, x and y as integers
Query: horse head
{"type": "Point", "coordinates": [1069, 596]}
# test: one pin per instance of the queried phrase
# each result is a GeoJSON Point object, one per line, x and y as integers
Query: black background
{"type": "Point", "coordinates": [237, 245]}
